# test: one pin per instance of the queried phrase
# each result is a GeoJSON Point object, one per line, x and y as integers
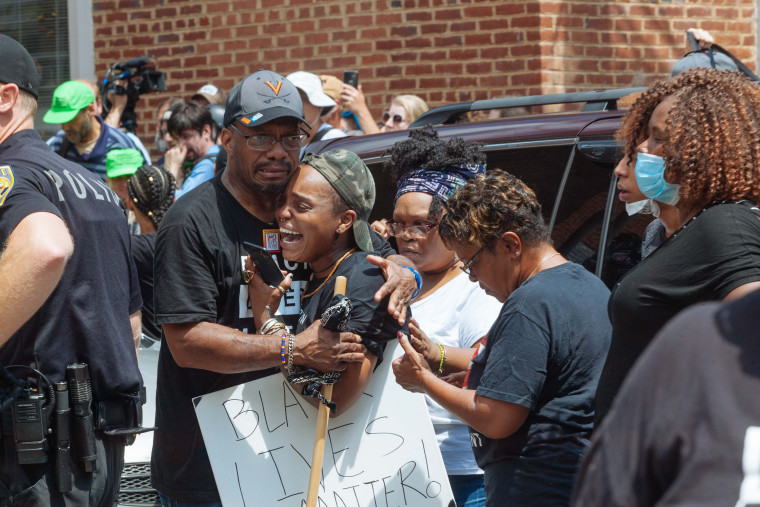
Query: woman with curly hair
{"type": "Point", "coordinates": [695, 141]}
{"type": "Point", "coordinates": [529, 391]}
{"type": "Point", "coordinates": [151, 192]}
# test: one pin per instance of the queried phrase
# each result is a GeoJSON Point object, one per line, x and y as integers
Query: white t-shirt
{"type": "Point", "coordinates": [458, 315]}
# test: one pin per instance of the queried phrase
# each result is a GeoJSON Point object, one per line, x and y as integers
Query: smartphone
{"type": "Point", "coordinates": [351, 77]}
{"type": "Point", "coordinates": [265, 265]}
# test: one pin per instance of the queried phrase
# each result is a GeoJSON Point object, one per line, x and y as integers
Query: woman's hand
{"type": "Point", "coordinates": [424, 345]}
{"type": "Point", "coordinates": [382, 228]}
{"type": "Point", "coordinates": [264, 299]}
{"type": "Point", "coordinates": [411, 368]}
{"type": "Point", "coordinates": [352, 99]}
{"type": "Point", "coordinates": [456, 379]}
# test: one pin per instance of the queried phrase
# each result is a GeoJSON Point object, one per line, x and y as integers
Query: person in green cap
{"type": "Point", "coordinates": [84, 138]}
{"type": "Point", "coordinates": [120, 166]}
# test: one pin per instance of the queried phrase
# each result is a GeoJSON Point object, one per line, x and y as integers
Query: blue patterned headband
{"type": "Point", "coordinates": [443, 182]}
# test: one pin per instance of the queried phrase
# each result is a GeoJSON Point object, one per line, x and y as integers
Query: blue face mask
{"type": "Point", "coordinates": [650, 176]}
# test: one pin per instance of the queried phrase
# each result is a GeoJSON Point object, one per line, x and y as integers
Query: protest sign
{"type": "Point", "coordinates": [382, 452]}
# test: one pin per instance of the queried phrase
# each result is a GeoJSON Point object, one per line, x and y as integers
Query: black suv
{"type": "Point", "coordinates": [566, 158]}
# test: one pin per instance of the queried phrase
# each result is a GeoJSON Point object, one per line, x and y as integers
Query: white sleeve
{"type": "Point", "coordinates": [478, 316]}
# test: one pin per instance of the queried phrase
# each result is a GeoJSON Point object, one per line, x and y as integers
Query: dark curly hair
{"type": "Point", "coordinates": [713, 133]}
{"type": "Point", "coordinates": [151, 189]}
{"type": "Point", "coordinates": [425, 150]}
{"type": "Point", "coordinates": [490, 205]}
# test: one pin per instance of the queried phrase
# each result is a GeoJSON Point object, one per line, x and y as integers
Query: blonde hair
{"type": "Point", "coordinates": [412, 104]}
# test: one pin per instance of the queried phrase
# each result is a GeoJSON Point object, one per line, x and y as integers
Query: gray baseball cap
{"type": "Point", "coordinates": [701, 60]}
{"type": "Point", "coordinates": [262, 97]}
{"type": "Point", "coordinates": [346, 172]}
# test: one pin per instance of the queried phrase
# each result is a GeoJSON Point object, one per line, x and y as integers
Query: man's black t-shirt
{"type": "Point", "coordinates": [686, 419]}
{"type": "Point", "coordinates": [143, 252]}
{"type": "Point", "coordinates": [86, 318]}
{"type": "Point", "coordinates": [714, 253]}
{"type": "Point", "coordinates": [198, 278]}
{"type": "Point", "coordinates": [369, 319]}
{"type": "Point", "coordinates": [545, 352]}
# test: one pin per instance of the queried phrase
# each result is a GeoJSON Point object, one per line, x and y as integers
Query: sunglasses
{"type": "Point", "coordinates": [397, 118]}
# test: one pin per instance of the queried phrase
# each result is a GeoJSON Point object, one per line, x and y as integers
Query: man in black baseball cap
{"type": "Point", "coordinates": [61, 229]}
{"type": "Point", "coordinates": [201, 292]}
{"type": "Point", "coordinates": [201, 297]}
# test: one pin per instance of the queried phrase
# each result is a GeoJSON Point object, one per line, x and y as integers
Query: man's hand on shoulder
{"type": "Point", "coordinates": [400, 283]}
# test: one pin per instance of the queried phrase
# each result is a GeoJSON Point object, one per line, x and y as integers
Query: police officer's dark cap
{"type": "Point", "coordinates": [17, 66]}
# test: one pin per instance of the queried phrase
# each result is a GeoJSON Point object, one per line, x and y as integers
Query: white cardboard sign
{"type": "Point", "coordinates": [382, 452]}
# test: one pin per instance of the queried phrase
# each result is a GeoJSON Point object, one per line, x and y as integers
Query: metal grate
{"type": "Point", "coordinates": [135, 489]}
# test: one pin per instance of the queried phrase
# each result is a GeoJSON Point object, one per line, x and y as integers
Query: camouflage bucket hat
{"type": "Point", "coordinates": [346, 172]}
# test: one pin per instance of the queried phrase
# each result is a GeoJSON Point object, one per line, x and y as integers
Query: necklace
{"type": "Point", "coordinates": [542, 261]}
{"type": "Point", "coordinates": [335, 266]}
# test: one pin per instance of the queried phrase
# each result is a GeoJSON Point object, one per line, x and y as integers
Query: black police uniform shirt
{"type": "Point", "coordinates": [369, 319]}
{"type": "Point", "coordinates": [86, 318]}
{"type": "Point", "coordinates": [545, 352]}
{"type": "Point", "coordinates": [143, 252]}
{"type": "Point", "coordinates": [711, 255]}
{"type": "Point", "coordinates": [685, 427]}
{"type": "Point", "coordinates": [198, 272]}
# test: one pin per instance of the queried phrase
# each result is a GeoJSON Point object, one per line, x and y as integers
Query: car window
{"type": "Point", "coordinates": [540, 166]}
{"type": "Point", "coordinates": [580, 217]}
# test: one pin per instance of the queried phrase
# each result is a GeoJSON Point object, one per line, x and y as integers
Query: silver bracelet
{"type": "Point", "coordinates": [271, 326]}
{"type": "Point", "coordinates": [291, 339]}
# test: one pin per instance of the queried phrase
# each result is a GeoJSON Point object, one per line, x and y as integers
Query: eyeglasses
{"type": "Point", "coordinates": [467, 266]}
{"type": "Point", "coordinates": [261, 142]}
{"type": "Point", "coordinates": [414, 231]}
{"type": "Point", "coordinates": [397, 118]}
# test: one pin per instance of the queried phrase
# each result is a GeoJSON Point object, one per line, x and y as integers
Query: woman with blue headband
{"type": "Point", "coordinates": [450, 309]}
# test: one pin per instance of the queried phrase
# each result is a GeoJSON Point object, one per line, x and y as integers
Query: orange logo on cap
{"type": "Point", "coordinates": [275, 90]}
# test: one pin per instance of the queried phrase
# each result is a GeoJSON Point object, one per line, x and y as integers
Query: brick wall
{"type": "Point", "coordinates": [443, 50]}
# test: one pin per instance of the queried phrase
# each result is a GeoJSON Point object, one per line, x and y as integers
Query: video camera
{"type": "Point", "coordinates": [142, 77]}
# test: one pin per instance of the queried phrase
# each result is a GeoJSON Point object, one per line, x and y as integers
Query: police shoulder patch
{"type": "Point", "coordinates": [6, 182]}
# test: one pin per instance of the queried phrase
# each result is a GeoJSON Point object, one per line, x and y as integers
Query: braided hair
{"type": "Point", "coordinates": [151, 190]}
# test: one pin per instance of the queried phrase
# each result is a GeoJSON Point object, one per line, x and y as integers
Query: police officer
{"type": "Point", "coordinates": [69, 294]}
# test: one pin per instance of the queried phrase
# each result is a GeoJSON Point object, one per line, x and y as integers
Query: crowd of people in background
{"type": "Point", "coordinates": [544, 387]}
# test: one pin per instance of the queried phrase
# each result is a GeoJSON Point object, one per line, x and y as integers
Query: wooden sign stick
{"type": "Point", "coordinates": [323, 416]}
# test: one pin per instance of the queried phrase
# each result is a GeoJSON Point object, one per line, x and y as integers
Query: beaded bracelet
{"type": "Point", "coordinates": [417, 279]}
{"type": "Point", "coordinates": [282, 352]}
{"type": "Point", "coordinates": [443, 360]}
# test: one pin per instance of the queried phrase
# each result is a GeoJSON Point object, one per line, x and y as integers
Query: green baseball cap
{"type": "Point", "coordinates": [123, 162]}
{"type": "Point", "coordinates": [68, 99]}
{"type": "Point", "coordinates": [346, 172]}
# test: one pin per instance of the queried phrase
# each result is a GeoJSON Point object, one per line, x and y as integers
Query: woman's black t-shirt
{"type": "Point", "coordinates": [369, 319]}
{"type": "Point", "coordinates": [143, 251]}
{"type": "Point", "coordinates": [711, 255]}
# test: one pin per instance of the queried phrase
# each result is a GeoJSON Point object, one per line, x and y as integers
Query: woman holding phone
{"type": "Point", "coordinates": [323, 222]}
